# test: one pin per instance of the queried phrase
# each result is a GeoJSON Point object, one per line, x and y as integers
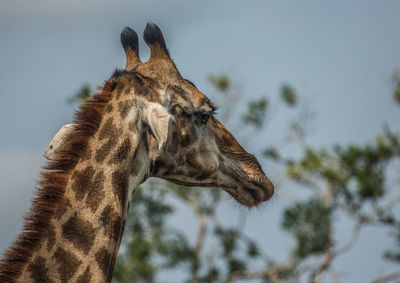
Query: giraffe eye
{"type": "Point", "coordinates": [203, 117]}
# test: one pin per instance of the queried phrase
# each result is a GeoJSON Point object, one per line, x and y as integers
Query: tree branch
{"type": "Point", "coordinates": [387, 278]}
{"type": "Point", "coordinates": [318, 274]}
{"type": "Point", "coordinates": [272, 273]}
{"type": "Point", "coordinates": [194, 204]}
{"type": "Point", "coordinates": [351, 242]}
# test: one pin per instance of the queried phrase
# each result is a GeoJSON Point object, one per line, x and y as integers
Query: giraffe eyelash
{"type": "Point", "coordinates": [214, 111]}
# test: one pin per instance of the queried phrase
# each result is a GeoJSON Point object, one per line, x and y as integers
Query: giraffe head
{"type": "Point", "coordinates": [186, 143]}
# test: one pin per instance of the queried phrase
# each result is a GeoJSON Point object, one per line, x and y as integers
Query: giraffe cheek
{"type": "Point", "coordinates": [208, 162]}
{"type": "Point", "coordinates": [213, 163]}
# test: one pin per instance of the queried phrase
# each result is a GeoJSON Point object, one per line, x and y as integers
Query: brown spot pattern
{"type": "Point", "coordinates": [65, 204]}
{"type": "Point", "coordinates": [120, 185]}
{"type": "Point", "coordinates": [95, 192]}
{"type": "Point", "coordinates": [111, 222]}
{"type": "Point", "coordinates": [51, 237]}
{"type": "Point", "coordinates": [103, 259]}
{"type": "Point", "coordinates": [85, 277]}
{"type": "Point", "coordinates": [79, 232]}
{"type": "Point", "coordinates": [108, 130]}
{"type": "Point", "coordinates": [124, 108]}
{"type": "Point", "coordinates": [102, 153]}
{"type": "Point", "coordinates": [67, 264]}
{"type": "Point", "coordinates": [109, 108]}
{"type": "Point", "coordinates": [140, 88]}
{"type": "Point", "coordinates": [38, 270]}
{"type": "Point", "coordinates": [120, 89]}
{"type": "Point", "coordinates": [122, 153]}
{"type": "Point", "coordinates": [81, 179]}
{"type": "Point", "coordinates": [88, 154]}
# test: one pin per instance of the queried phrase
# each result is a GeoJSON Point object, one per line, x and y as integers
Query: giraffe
{"type": "Point", "coordinates": [147, 121]}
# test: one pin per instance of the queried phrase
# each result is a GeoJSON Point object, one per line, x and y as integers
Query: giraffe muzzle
{"type": "Point", "coordinates": [252, 193]}
{"type": "Point", "coordinates": [265, 190]}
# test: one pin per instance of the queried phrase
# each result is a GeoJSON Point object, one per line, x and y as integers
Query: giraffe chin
{"type": "Point", "coordinates": [247, 197]}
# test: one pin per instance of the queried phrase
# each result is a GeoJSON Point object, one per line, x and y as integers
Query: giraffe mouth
{"type": "Point", "coordinates": [252, 193]}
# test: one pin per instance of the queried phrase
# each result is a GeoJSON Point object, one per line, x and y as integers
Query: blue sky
{"type": "Point", "coordinates": [339, 55]}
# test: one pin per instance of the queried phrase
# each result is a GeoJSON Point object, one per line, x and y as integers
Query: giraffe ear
{"type": "Point", "coordinates": [159, 121]}
{"type": "Point", "coordinates": [58, 141]}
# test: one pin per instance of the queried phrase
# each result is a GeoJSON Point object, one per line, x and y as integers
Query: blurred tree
{"type": "Point", "coordinates": [80, 95]}
{"type": "Point", "coordinates": [354, 179]}
{"type": "Point", "coordinates": [256, 113]}
{"type": "Point", "coordinates": [396, 86]}
{"type": "Point", "coordinates": [288, 95]}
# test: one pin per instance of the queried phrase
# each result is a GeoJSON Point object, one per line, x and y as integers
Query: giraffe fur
{"type": "Point", "coordinates": [147, 121]}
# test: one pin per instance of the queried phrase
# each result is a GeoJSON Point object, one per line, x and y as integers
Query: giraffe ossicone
{"type": "Point", "coordinates": [147, 121]}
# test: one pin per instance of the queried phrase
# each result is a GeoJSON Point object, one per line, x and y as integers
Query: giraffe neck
{"type": "Point", "coordinates": [84, 235]}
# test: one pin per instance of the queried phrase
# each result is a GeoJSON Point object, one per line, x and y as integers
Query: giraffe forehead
{"type": "Point", "coordinates": [189, 98]}
{"type": "Point", "coordinates": [165, 88]}
{"type": "Point", "coordinates": [171, 86]}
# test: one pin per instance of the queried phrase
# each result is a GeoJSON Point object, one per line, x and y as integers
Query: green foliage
{"type": "Point", "coordinates": [272, 152]}
{"type": "Point", "coordinates": [310, 223]}
{"type": "Point", "coordinates": [396, 94]}
{"type": "Point", "coordinates": [82, 94]}
{"type": "Point", "coordinates": [221, 82]}
{"type": "Point", "coordinates": [177, 250]}
{"type": "Point", "coordinates": [396, 86]}
{"type": "Point", "coordinates": [288, 95]}
{"type": "Point", "coordinates": [137, 260]}
{"type": "Point", "coordinates": [394, 254]}
{"type": "Point", "coordinates": [354, 176]}
{"type": "Point", "coordinates": [212, 276]}
{"type": "Point", "coordinates": [317, 164]}
{"type": "Point", "coordinates": [356, 172]}
{"type": "Point", "coordinates": [366, 165]}
{"type": "Point", "coordinates": [228, 239]}
{"type": "Point", "coordinates": [235, 264]}
{"type": "Point", "coordinates": [252, 250]}
{"type": "Point", "coordinates": [255, 114]}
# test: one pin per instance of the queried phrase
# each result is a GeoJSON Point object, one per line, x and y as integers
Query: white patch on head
{"type": "Point", "coordinates": [159, 121]}
{"type": "Point", "coordinates": [58, 141]}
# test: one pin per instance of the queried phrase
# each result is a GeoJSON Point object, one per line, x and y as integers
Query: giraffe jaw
{"type": "Point", "coordinates": [249, 193]}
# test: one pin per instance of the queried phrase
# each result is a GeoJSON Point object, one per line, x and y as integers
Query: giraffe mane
{"type": "Point", "coordinates": [54, 179]}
